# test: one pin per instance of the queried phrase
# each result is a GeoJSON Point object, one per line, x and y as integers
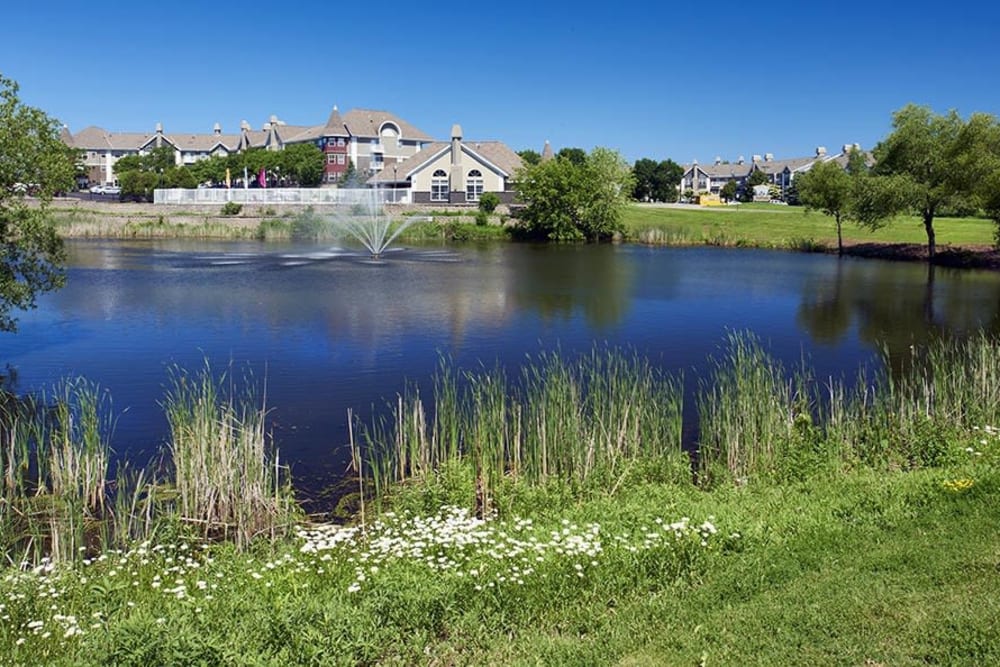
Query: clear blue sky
{"type": "Point", "coordinates": [650, 79]}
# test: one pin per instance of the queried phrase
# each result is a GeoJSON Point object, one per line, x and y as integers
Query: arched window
{"type": "Point", "coordinates": [474, 185]}
{"type": "Point", "coordinates": [439, 186]}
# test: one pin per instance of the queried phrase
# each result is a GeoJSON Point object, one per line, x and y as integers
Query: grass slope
{"type": "Point", "coordinates": [786, 226]}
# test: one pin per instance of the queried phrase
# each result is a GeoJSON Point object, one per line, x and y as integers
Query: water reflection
{"type": "Point", "coordinates": [897, 306]}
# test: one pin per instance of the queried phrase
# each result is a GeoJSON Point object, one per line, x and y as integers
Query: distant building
{"type": "Point", "coordinates": [370, 139]}
{"type": "Point", "coordinates": [711, 178]}
{"type": "Point", "coordinates": [779, 172]}
{"type": "Point", "coordinates": [457, 172]}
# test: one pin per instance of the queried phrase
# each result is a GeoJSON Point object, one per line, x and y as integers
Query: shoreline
{"type": "Point", "coordinates": [90, 218]}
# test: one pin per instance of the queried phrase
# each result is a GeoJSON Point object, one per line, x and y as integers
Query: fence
{"type": "Point", "coordinates": [304, 196]}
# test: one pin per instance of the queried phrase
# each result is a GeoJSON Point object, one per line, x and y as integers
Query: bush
{"type": "Point", "coordinates": [231, 208]}
{"type": "Point", "coordinates": [488, 203]}
{"type": "Point", "coordinates": [482, 218]}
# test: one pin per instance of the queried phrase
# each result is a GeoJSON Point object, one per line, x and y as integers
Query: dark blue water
{"type": "Point", "coordinates": [327, 330]}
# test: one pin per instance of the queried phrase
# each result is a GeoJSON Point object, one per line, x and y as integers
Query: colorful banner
{"type": "Point", "coordinates": [262, 178]}
{"type": "Point", "coordinates": [228, 180]}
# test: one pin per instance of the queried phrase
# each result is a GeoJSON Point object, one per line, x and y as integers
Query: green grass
{"type": "Point", "coordinates": [859, 568]}
{"type": "Point", "coordinates": [774, 226]}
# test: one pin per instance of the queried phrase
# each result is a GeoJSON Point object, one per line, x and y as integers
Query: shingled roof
{"type": "Point", "coordinates": [366, 123]}
{"type": "Point", "coordinates": [495, 153]}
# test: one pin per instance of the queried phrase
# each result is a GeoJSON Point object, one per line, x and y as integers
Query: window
{"type": "Point", "coordinates": [439, 186]}
{"type": "Point", "coordinates": [331, 158]}
{"type": "Point", "coordinates": [341, 159]}
{"type": "Point", "coordinates": [474, 185]}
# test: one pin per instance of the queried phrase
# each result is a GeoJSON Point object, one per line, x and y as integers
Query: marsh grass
{"type": "Point", "coordinates": [759, 420]}
{"type": "Point", "coordinates": [228, 479]}
{"type": "Point", "coordinates": [54, 458]}
{"type": "Point", "coordinates": [578, 423]}
{"type": "Point", "coordinates": [747, 408]}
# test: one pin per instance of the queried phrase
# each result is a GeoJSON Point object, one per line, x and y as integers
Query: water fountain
{"type": "Point", "coordinates": [362, 214]}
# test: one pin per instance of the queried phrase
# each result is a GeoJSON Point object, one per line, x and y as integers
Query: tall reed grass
{"type": "Point", "coordinates": [560, 421]}
{"type": "Point", "coordinates": [54, 462]}
{"type": "Point", "coordinates": [228, 479]}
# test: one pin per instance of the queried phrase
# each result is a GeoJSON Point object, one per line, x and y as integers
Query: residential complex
{"type": "Point", "coordinates": [710, 178]}
{"type": "Point", "coordinates": [386, 149]}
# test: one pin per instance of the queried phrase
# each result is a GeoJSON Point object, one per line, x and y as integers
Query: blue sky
{"type": "Point", "coordinates": [650, 79]}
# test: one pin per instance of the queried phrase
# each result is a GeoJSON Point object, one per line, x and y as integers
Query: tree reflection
{"type": "Point", "coordinates": [559, 281]}
{"type": "Point", "coordinates": [895, 308]}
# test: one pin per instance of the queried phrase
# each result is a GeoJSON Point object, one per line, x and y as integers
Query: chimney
{"type": "Point", "coordinates": [755, 158]}
{"type": "Point", "coordinates": [718, 160]}
{"type": "Point", "coordinates": [768, 157]}
{"type": "Point", "coordinates": [740, 160]}
{"type": "Point", "coordinates": [457, 180]}
{"type": "Point", "coordinates": [244, 126]}
{"type": "Point", "coordinates": [217, 129]}
{"type": "Point", "coordinates": [820, 151]}
{"type": "Point", "coordinates": [159, 134]}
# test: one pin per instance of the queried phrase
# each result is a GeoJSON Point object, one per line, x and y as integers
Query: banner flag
{"type": "Point", "coordinates": [262, 178]}
{"type": "Point", "coordinates": [228, 181]}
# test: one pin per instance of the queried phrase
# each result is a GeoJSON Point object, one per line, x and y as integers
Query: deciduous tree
{"type": "Point", "coordinates": [935, 159]}
{"type": "Point", "coordinates": [32, 158]}
{"type": "Point", "coordinates": [567, 201]}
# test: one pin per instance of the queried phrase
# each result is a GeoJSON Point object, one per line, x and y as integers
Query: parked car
{"type": "Point", "coordinates": [104, 189]}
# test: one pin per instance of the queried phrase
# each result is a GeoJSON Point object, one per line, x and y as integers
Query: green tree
{"type": "Point", "coordinates": [643, 172]}
{"type": "Point", "coordinates": [303, 163]}
{"type": "Point", "coordinates": [935, 161]}
{"type": "Point", "coordinates": [728, 191]}
{"type": "Point", "coordinates": [530, 157]}
{"type": "Point", "coordinates": [566, 201]}
{"type": "Point", "coordinates": [577, 156]}
{"type": "Point", "coordinates": [827, 187]}
{"type": "Point", "coordinates": [666, 179]}
{"type": "Point", "coordinates": [756, 177]}
{"type": "Point", "coordinates": [488, 202]}
{"type": "Point", "coordinates": [31, 156]}
{"type": "Point", "coordinates": [351, 178]}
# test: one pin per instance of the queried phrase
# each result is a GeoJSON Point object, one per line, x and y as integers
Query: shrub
{"type": "Point", "coordinates": [488, 202]}
{"type": "Point", "coordinates": [482, 218]}
{"type": "Point", "coordinates": [231, 208]}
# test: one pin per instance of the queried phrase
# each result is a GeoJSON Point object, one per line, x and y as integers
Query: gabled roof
{"type": "Point", "coordinates": [493, 154]}
{"type": "Point", "coordinates": [367, 122]}
{"type": "Point", "coordinates": [411, 165]}
{"type": "Point", "coordinates": [721, 170]}
{"type": "Point", "coordinates": [203, 142]}
{"type": "Point", "coordinates": [792, 164]}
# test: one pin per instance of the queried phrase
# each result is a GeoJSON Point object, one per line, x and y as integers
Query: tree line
{"type": "Point", "coordinates": [929, 165]}
{"type": "Point", "coordinates": [298, 165]}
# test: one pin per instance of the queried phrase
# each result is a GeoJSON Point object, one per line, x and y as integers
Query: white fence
{"type": "Point", "coordinates": [304, 196]}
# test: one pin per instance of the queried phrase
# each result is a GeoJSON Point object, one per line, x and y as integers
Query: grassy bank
{"type": "Point", "coordinates": [788, 227]}
{"type": "Point", "coordinates": [859, 568]}
{"type": "Point", "coordinates": [86, 219]}
{"type": "Point", "coordinates": [547, 515]}
{"type": "Point", "coordinates": [963, 242]}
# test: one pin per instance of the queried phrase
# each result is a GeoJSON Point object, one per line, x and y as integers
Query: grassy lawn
{"type": "Point", "coordinates": [785, 226]}
{"type": "Point", "coordinates": [857, 568]}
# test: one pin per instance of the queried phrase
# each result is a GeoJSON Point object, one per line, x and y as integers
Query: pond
{"type": "Point", "coordinates": [327, 330]}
